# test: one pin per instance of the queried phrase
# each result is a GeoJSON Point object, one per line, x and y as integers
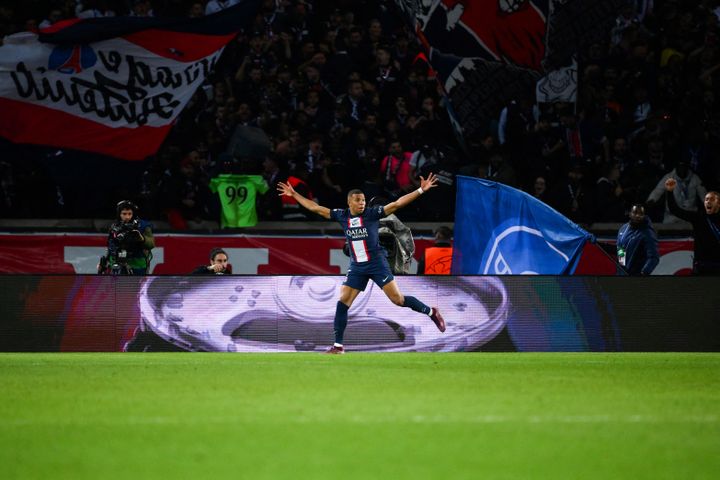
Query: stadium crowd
{"type": "Point", "coordinates": [343, 99]}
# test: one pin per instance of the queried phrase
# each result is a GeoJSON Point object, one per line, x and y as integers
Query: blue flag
{"type": "Point", "coordinates": [503, 231]}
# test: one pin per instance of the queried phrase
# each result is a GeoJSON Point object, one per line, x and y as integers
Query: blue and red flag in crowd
{"type": "Point", "coordinates": [110, 85]}
{"type": "Point", "coordinates": [500, 230]}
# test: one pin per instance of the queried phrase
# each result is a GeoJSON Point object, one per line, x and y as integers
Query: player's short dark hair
{"type": "Point", "coordinates": [215, 252]}
{"type": "Point", "coordinates": [355, 191]}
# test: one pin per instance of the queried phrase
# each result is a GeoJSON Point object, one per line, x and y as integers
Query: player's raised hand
{"type": "Point", "coordinates": [670, 184]}
{"type": "Point", "coordinates": [429, 182]}
{"type": "Point", "coordinates": [285, 189]}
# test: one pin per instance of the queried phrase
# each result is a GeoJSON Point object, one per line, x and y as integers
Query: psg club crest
{"type": "Point", "coordinates": [72, 59]}
{"type": "Point", "coordinates": [521, 250]}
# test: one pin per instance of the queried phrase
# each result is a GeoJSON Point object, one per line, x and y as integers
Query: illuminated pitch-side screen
{"type": "Point", "coordinates": [295, 314]}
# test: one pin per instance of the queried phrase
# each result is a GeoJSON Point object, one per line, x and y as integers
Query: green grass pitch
{"type": "Point", "coordinates": [375, 416]}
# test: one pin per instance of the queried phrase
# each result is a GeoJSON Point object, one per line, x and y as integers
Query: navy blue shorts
{"type": "Point", "coordinates": [359, 274]}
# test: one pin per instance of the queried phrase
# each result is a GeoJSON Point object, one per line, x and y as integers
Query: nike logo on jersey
{"type": "Point", "coordinates": [385, 279]}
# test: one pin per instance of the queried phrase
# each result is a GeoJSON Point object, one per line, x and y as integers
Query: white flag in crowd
{"type": "Point", "coordinates": [109, 85]}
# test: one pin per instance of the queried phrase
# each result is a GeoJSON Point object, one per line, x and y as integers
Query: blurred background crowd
{"type": "Point", "coordinates": [340, 97]}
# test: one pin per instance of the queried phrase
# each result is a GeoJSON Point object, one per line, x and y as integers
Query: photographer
{"type": "Point", "coordinates": [218, 264]}
{"type": "Point", "coordinates": [130, 240]}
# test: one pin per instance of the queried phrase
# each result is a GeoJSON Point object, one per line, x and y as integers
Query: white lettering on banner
{"type": "Point", "coordinates": [86, 259]}
{"type": "Point", "coordinates": [121, 84]}
{"type": "Point", "coordinates": [247, 260]}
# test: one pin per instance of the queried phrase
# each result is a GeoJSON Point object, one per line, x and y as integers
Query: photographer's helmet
{"type": "Point", "coordinates": [125, 205]}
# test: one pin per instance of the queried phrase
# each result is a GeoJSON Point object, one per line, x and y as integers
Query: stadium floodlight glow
{"type": "Point", "coordinates": [295, 313]}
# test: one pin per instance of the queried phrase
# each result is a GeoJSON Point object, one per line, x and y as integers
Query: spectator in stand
{"type": "Point", "coordinates": [395, 168]}
{"type": "Point", "coordinates": [689, 191]}
{"type": "Point", "coordinates": [516, 120]}
{"type": "Point", "coordinates": [585, 139]}
{"type": "Point", "coordinates": [310, 158]}
{"type": "Point", "coordinates": [359, 50]}
{"type": "Point", "coordinates": [355, 102]}
{"type": "Point", "coordinates": [706, 229]}
{"type": "Point", "coordinates": [429, 124]}
{"type": "Point", "coordinates": [436, 260]}
{"type": "Point", "coordinates": [540, 189]}
{"type": "Point", "coordinates": [501, 171]}
{"type": "Point", "coordinates": [141, 8]}
{"type": "Point", "coordinates": [697, 153]}
{"type": "Point", "coordinates": [93, 9]}
{"type": "Point", "coordinates": [571, 196]}
{"type": "Point", "coordinates": [637, 244]}
{"type": "Point", "coordinates": [387, 78]}
{"type": "Point", "coordinates": [609, 205]}
{"type": "Point", "coordinates": [544, 150]}
{"type": "Point", "coordinates": [218, 264]}
{"type": "Point", "coordinates": [291, 209]}
{"type": "Point", "coordinates": [270, 206]}
{"type": "Point", "coordinates": [214, 6]}
{"type": "Point", "coordinates": [184, 196]}
{"type": "Point", "coordinates": [196, 10]}
{"type": "Point", "coordinates": [53, 17]}
{"type": "Point", "coordinates": [620, 154]}
{"type": "Point", "coordinates": [422, 161]}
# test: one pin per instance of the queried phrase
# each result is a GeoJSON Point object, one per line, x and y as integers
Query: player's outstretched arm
{"type": "Point", "coordinates": [425, 185]}
{"type": "Point", "coordinates": [287, 189]}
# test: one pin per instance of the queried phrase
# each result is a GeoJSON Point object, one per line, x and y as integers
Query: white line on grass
{"type": "Point", "coordinates": [359, 419]}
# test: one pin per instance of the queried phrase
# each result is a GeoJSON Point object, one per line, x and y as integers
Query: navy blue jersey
{"type": "Point", "coordinates": [362, 232]}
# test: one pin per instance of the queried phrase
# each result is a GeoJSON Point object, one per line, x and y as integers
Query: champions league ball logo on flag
{"type": "Point", "coordinates": [503, 231]}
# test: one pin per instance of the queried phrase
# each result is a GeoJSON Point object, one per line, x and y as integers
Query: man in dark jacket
{"type": "Point", "coordinates": [637, 244]}
{"type": "Point", "coordinates": [218, 264]}
{"type": "Point", "coordinates": [706, 228]}
{"type": "Point", "coordinates": [129, 242]}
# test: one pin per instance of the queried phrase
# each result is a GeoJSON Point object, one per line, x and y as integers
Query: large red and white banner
{"type": "Point", "coordinates": [109, 85]}
{"type": "Point", "coordinates": [70, 253]}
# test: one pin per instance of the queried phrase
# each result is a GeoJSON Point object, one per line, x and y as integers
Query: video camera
{"type": "Point", "coordinates": [126, 234]}
{"type": "Point", "coordinates": [124, 237]}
